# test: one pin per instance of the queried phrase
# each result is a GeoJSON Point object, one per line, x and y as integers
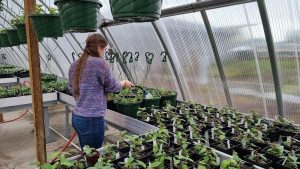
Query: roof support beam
{"type": "Point", "coordinates": [272, 55]}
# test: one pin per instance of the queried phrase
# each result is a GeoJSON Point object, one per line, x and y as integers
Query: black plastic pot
{"type": "Point", "coordinates": [111, 105]}
{"type": "Point", "coordinates": [267, 165]}
{"type": "Point", "coordinates": [280, 166]}
{"type": "Point", "coordinates": [271, 157]}
{"type": "Point", "coordinates": [13, 37]}
{"type": "Point", "coordinates": [229, 151]}
{"type": "Point", "coordinates": [171, 98]}
{"type": "Point", "coordinates": [130, 109]}
{"type": "Point", "coordinates": [148, 103]}
{"type": "Point", "coordinates": [274, 135]}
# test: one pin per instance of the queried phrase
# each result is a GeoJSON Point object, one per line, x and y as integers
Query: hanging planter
{"type": "Point", "coordinates": [21, 28]}
{"type": "Point", "coordinates": [19, 24]}
{"type": "Point", "coordinates": [13, 37]}
{"type": "Point", "coordinates": [46, 25]}
{"type": "Point", "coordinates": [4, 39]}
{"type": "Point", "coordinates": [136, 10]}
{"type": "Point", "coordinates": [168, 96]}
{"type": "Point", "coordinates": [79, 15]}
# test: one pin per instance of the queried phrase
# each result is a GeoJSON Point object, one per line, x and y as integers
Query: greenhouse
{"type": "Point", "coordinates": [149, 84]}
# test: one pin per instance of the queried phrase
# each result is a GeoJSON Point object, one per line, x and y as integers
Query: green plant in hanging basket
{"type": "Point", "coordinates": [136, 10]}
{"type": "Point", "coordinates": [4, 38]}
{"type": "Point", "coordinates": [47, 25]}
{"type": "Point", "coordinates": [79, 15]}
{"type": "Point", "coordinates": [19, 23]}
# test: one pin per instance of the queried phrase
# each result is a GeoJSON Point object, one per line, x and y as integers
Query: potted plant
{"type": "Point", "coordinates": [102, 164]}
{"type": "Point", "coordinates": [79, 15]}
{"type": "Point", "coordinates": [131, 163]}
{"type": "Point", "coordinates": [259, 159]}
{"type": "Point", "coordinates": [210, 159]}
{"type": "Point", "coordinates": [122, 145]}
{"type": "Point", "coordinates": [167, 95]}
{"type": "Point", "coordinates": [4, 38]}
{"type": "Point", "coordinates": [136, 11]}
{"type": "Point", "coordinates": [289, 162]}
{"type": "Point", "coordinates": [235, 163]}
{"type": "Point", "coordinates": [61, 162]}
{"type": "Point", "coordinates": [46, 24]}
{"type": "Point", "coordinates": [274, 152]}
{"type": "Point", "coordinates": [128, 105]}
{"type": "Point", "coordinates": [91, 155]}
{"type": "Point", "coordinates": [154, 100]}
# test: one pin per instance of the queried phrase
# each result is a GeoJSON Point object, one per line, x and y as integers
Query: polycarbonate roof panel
{"type": "Point", "coordinates": [141, 37]}
{"type": "Point", "coordinates": [284, 21]}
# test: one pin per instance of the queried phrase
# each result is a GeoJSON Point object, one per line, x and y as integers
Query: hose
{"type": "Point", "coordinates": [64, 148]}
{"type": "Point", "coordinates": [22, 115]}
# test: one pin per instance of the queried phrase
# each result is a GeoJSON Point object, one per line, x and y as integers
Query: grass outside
{"type": "Point", "coordinates": [245, 70]}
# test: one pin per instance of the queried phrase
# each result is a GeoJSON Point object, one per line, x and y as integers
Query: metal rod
{"type": "Point", "coordinates": [115, 47]}
{"type": "Point", "coordinates": [176, 73]}
{"type": "Point", "coordinates": [270, 43]}
{"type": "Point", "coordinates": [217, 56]}
{"type": "Point", "coordinates": [189, 8]}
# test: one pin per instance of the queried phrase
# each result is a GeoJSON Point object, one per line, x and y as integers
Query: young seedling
{"type": "Point", "coordinates": [276, 150]}
{"type": "Point", "coordinates": [210, 159]}
{"type": "Point", "coordinates": [233, 163]}
{"type": "Point", "coordinates": [131, 163]}
{"type": "Point", "coordinates": [102, 164]}
{"type": "Point", "coordinates": [290, 161]}
{"type": "Point", "coordinates": [258, 158]}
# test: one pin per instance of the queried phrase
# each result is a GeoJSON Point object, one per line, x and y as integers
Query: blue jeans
{"type": "Point", "coordinates": [90, 130]}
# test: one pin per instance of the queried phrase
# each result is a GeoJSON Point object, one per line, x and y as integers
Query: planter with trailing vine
{"type": "Point", "coordinates": [136, 11]}
{"type": "Point", "coordinates": [4, 39]}
{"type": "Point", "coordinates": [13, 37]}
{"type": "Point", "coordinates": [79, 15]}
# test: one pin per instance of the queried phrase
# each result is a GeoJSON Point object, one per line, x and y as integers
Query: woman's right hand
{"type": "Point", "coordinates": [126, 84]}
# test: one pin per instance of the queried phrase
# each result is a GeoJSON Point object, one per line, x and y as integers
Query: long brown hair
{"type": "Point", "coordinates": [91, 49]}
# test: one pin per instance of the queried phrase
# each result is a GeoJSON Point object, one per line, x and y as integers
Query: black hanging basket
{"type": "Point", "coordinates": [136, 10]}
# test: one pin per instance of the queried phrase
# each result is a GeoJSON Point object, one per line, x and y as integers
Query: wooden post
{"type": "Point", "coordinates": [1, 117]}
{"type": "Point", "coordinates": [36, 87]}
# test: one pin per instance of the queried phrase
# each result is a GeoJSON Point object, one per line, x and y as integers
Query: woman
{"type": "Point", "coordinates": [90, 80]}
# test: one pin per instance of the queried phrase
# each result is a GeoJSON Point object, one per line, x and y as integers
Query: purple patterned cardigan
{"type": "Point", "coordinates": [96, 81]}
